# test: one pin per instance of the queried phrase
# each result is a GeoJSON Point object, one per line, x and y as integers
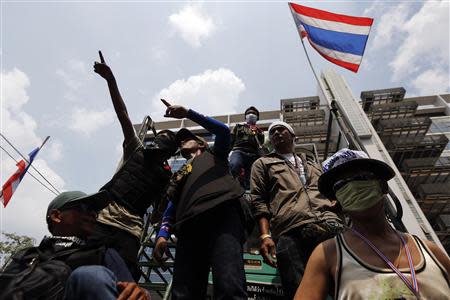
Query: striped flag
{"type": "Point", "coordinates": [338, 38]}
{"type": "Point", "coordinates": [11, 185]}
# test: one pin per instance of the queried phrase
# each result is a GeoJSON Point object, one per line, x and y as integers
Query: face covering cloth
{"type": "Point", "coordinates": [359, 195]}
{"type": "Point", "coordinates": [251, 119]}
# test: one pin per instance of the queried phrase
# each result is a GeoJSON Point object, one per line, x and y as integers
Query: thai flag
{"type": "Point", "coordinates": [338, 38]}
{"type": "Point", "coordinates": [11, 185]}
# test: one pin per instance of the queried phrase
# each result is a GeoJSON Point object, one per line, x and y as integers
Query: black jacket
{"type": "Point", "coordinates": [207, 184]}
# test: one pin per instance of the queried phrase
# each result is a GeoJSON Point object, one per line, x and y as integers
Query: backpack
{"type": "Point", "coordinates": [41, 272]}
{"type": "Point", "coordinates": [33, 275]}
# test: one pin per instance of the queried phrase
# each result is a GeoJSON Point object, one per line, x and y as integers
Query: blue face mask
{"type": "Point", "coordinates": [251, 119]}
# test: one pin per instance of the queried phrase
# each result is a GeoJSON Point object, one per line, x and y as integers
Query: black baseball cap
{"type": "Point", "coordinates": [185, 134]}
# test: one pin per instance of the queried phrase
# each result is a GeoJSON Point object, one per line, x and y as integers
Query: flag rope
{"type": "Point", "coordinates": [26, 160]}
{"type": "Point", "coordinates": [28, 171]}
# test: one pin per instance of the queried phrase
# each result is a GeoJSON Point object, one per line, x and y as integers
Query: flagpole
{"type": "Point", "coordinates": [309, 61]}
{"type": "Point", "coordinates": [314, 71]}
{"type": "Point", "coordinates": [45, 141]}
{"type": "Point", "coordinates": [31, 165]}
{"type": "Point", "coordinates": [334, 104]}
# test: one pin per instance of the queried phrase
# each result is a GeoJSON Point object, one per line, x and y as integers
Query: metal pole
{"type": "Point", "coordinates": [327, 143]}
{"type": "Point", "coordinates": [312, 68]}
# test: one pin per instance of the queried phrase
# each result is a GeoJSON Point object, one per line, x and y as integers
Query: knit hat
{"type": "Point", "coordinates": [252, 108]}
{"type": "Point", "coordinates": [283, 124]}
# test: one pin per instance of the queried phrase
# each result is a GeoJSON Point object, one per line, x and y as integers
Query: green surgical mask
{"type": "Point", "coordinates": [359, 195]}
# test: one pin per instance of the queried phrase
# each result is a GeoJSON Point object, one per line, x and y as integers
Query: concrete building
{"type": "Point", "coordinates": [416, 133]}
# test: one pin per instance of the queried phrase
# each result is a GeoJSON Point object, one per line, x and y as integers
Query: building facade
{"type": "Point", "coordinates": [416, 133]}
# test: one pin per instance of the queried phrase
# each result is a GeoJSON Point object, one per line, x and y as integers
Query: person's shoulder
{"type": "Point", "coordinates": [264, 159]}
{"type": "Point", "coordinates": [434, 248]}
{"type": "Point", "coordinates": [131, 145]}
{"type": "Point", "coordinates": [328, 253]}
{"type": "Point", "coordinates": [329, 246]}
{"type": "Point", "coordinates": [132, 142]}
{"type": "Point", "coordinates": [269, 159]}
{"type": "Point", "coordinates": [273, 157]}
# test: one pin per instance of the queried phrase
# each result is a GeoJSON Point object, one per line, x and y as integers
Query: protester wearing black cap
{"type": "Point", "coordinates": [246, 145]}
{"type": "Point", "coordinates": [90, 271]}
{"type": "Point", "coordinates": [75, 212]}
{"type": "Point", "coordinates": [138, 183]}
{"type": "Point", "coordinates": [370, 260]}
{"type": "Point", "coordinates": [206, 215]}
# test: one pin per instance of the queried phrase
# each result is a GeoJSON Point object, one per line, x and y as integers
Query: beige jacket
{"type": "Point", "coordinates": [278, 194]}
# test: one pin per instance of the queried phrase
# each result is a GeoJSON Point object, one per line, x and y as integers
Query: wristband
{"type": "Point", "coordinates": [264, 236]}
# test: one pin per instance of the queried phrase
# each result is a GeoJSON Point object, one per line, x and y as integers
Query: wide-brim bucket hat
{"type": "Point", "coordinates": [346, 160]}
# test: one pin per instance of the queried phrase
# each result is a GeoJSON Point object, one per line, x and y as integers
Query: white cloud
{"type": "Point", "coordinates": [55, 149]}
{"type": "Point", "coordinates": [214, 91]}
{"type": "Point", "coordinates": [389, 26]}
{"type": "Point", "coordinates": [422, 44]}
{"type": "Point", "coordinates": [14, 95]}
{"type": "Point", "coordinates": [158, 54]}
{"type": "Point", "coordinates": [26, 210]}
{"type": "Point", "coordinates": [420, 53]}
{"type": "Point", "coordinates": [432, 82]}
{"type": "Point", "coordinates": [371, 10]}
{"type": "Point", "coordinates": [15, 123]}
{"type": "Point", "coordinates": [192, 24]}
{"type": "Point", "coordinates": [76, 75]}
{"type": "Point", "coordinates": [86, 122]}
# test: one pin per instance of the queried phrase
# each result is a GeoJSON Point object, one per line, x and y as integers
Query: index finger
{"type": "Point", "coordinates": [102, 60]}
{"type": "Point", "coordinates": [165, 103]}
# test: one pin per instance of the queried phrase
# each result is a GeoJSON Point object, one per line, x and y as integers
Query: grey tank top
{"type": "Point", "coordinates": [356, 279]}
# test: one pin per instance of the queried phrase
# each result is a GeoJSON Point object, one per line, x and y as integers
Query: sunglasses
{"type": "Point", "coordinates": [362, 177]}
{"type": "Point", "coordinates": [276, 128]}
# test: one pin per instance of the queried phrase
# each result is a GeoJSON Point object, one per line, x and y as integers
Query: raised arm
{"type": "Point", "coordinates": [219, 129]}
{"type": "Point", "coordinates": [104, 71]}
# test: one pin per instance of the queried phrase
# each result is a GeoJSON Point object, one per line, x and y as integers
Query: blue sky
{"type": "Point", "coordinates": [215, 57]}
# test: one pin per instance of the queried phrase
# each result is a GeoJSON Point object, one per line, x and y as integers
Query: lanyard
{"type": "Point", "coordinates": [299, 168]}
{"type": "Point", "coordinates": [413, 285]}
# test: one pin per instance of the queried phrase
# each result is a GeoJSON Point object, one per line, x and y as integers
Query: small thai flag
{"type": "Point", "coordinates": [11, 185]}
{"type": "Point", "coordinates": [338, 38]}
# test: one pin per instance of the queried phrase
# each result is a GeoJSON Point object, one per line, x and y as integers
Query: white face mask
{"type": "Point", "coordinates": [251, 118]}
